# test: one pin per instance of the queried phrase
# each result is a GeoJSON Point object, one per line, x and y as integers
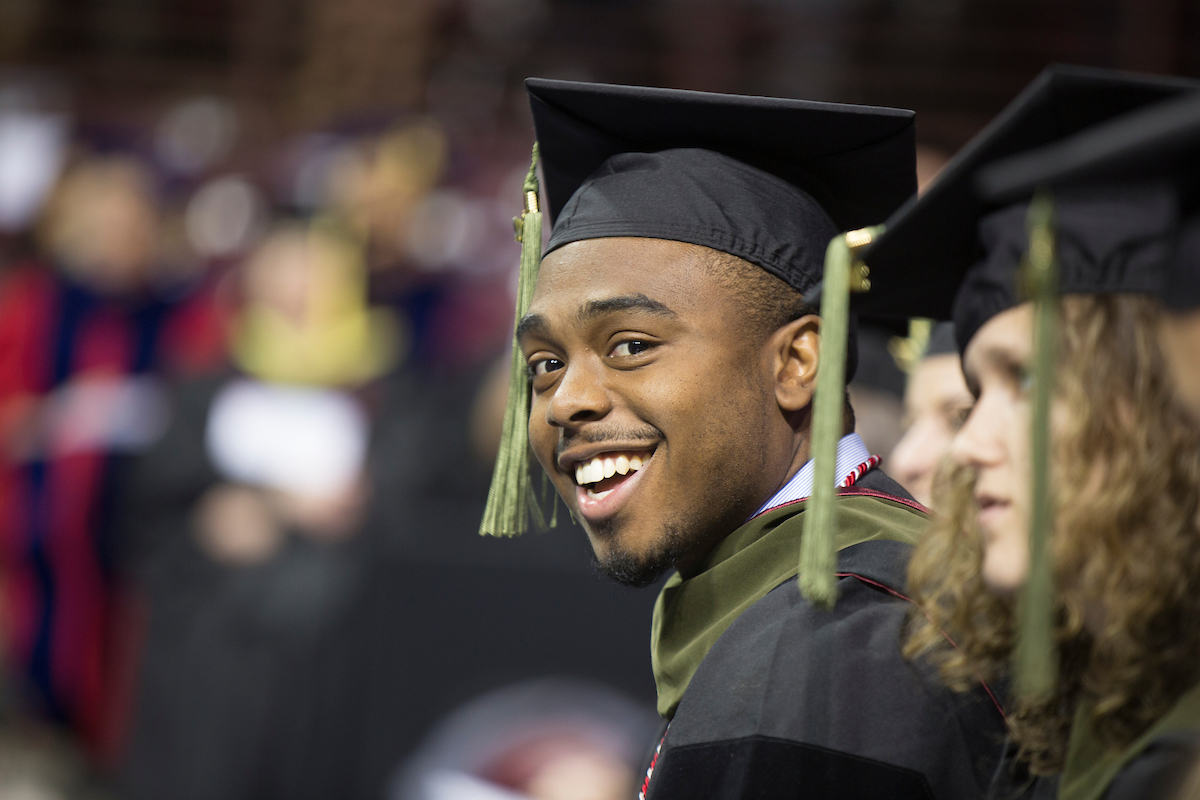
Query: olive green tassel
{"type": "Point", "coordinates": [1035, 663]}
{"type": "Point", "coordinates": [843, 274]}
{"type": "Point", "coordinates": [511, 498]}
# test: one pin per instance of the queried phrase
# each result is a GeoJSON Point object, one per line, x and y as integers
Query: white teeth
{"type": "Point", "coordinates": [601, 467]}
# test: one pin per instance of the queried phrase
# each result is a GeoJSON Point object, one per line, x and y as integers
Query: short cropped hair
{"type": "Point", "coordinates": [768, 303]}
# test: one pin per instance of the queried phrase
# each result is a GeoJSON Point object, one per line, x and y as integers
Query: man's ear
{"type": "Point", "coordinates": [796, 350]}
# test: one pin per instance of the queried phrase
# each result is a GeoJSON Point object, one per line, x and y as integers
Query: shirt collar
{"type": "Point", "coordinates": [852, 456]}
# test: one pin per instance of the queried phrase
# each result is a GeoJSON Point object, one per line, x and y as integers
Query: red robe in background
{"type": "Point", "coordinates": [79, 390]}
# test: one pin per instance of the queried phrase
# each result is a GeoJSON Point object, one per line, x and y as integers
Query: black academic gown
{"type": "Point", "coordinates": [795, 702]}
{"type": "Point", "coordinates": [1152, 767]}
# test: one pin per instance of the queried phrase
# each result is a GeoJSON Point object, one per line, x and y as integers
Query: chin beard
{"type": "Point", "coordinates": [641, 570]}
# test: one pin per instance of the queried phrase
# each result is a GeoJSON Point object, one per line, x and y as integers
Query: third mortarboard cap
{"type": "Point", "coordinates": [769, 180]}
{"type": "Point", "coordinates": [1158, 146]}
{"type": "Point", "coordinates": [932, 241]}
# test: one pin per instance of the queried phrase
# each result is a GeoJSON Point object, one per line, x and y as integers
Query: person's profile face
{"type": "Point", "coordinates": [994, 441]}
{"type": "Point", "coordinates": [652, 412]}
{"type": "Point", "coordinates": [936, 401]}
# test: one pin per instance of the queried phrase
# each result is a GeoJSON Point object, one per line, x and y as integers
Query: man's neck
{"type": "Point", "coordinates": [852, 459]}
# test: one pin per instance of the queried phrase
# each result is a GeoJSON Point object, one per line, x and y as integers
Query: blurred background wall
{"type": "Point", "coordinates": [292, 64]}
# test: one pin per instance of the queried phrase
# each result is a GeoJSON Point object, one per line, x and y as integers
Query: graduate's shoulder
{"type": "Point", "coordinates": [790, 683]}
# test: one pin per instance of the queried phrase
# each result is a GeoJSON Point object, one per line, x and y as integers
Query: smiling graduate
{"type": "Point", "coordinates": [672, 346]}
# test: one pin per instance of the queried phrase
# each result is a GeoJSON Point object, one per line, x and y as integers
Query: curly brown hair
{"type": "Point", "coordinates": [1125, 547]}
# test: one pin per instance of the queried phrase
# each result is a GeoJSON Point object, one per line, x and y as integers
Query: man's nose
{"type": "Point", "coordinates": [580, 395]}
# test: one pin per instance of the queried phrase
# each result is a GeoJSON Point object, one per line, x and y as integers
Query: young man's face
{"type": "Point", "coordinates": [653, 410]}
{"type": "Point", "coordinates": [936, 402]}
{"type": "Point", "coordinates": [995, 442]}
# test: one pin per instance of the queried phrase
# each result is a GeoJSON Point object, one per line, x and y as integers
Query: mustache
{"type": "Point", "coordinates": [643, 433]}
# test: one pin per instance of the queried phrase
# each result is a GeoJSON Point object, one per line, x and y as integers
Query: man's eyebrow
{"type": "Point", "coordinates": [628, 302]}
{"type": "Point", "coordinates": [531, 323]}
{"type": "Point", "coordinates": [535, 324]}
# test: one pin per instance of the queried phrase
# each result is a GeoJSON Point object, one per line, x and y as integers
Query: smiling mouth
{"type": "Point", "coordinates": [601, 474]}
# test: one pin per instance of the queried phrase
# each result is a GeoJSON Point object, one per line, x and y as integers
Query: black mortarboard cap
{"type": "Point", "coordinates": [1157, 147]}
{"type": "Point", "coordinates": [919, 262]}
{"type": "Point", "coordinates": [765, 179]}
{"type": "Point", "coordinates": [1108, 239]}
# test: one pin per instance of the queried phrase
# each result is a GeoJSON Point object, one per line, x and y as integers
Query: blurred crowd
{"type": "Point", "coordinates": [247, 417]}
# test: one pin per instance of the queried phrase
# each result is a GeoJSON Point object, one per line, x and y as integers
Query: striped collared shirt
{"type": "Point", "coordinates": [853, 461]}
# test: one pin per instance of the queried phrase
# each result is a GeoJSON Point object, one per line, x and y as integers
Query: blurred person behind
{"type": "Point", "coordinates": [424, 207]}
{"type": "Point", "coordinates": [936, 401]}
{"type": "Point", "coordinates": [86, 331]}
{"type": "Point", "coordinates": [247, 518]}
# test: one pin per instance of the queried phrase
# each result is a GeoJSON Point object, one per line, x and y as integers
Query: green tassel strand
{"type": "Point", "coordinates": [511, 499]}
{"type": "Point", "coordinates": [818, 555]}
{"type": "Point", "coordinates": [1035, 663]}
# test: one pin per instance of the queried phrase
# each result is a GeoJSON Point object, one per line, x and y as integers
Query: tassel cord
{"type": "Point", "coordinates": [1035, 655]}
{"type": "Point", "coordinates": [511, 500]}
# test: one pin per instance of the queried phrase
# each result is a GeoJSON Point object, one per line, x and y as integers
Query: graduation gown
{"type": "Point", "coordinates": [1150, 768]}
{"type": "Point", "coordinates": [767, 696]}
